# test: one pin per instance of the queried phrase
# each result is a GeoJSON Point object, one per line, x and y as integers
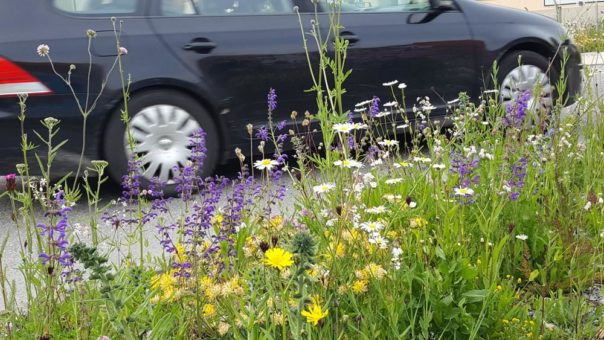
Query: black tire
{"type": "Point", "coordinates": [529, 58]}
{"type": "Point", "coordinates": [114, 146]}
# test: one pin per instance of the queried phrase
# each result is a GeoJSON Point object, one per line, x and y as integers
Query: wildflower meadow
{"type": "Point", "coordinates": [375, 221]}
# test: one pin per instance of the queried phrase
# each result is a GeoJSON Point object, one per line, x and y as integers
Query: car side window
{"type": "Point", "coordinates": [384, 5]}
{"type": "Point", "coordinates": [96, 6]}
{"type": "Point", "coordinates": [225, 7]}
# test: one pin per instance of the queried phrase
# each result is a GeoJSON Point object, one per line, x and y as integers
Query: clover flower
{"type": "Point", "coordinates": [11, 182]}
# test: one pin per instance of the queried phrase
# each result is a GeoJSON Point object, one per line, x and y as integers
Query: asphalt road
{"type": "Point", "coordinates": [11, 259]}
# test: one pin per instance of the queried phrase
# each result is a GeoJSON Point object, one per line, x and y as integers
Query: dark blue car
{"type": "Point", "coordinates": [210, 63]}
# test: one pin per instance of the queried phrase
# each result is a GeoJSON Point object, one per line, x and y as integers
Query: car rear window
{"type": "Point", "coordinates": [225, 7]}
{"type": "Point", "coordinates": [96, 6]}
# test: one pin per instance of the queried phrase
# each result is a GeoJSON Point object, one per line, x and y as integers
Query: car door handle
{"type": "Point", "coordinates": [351, 37]}
{"type": "Point", "coordinates": [200, 45]}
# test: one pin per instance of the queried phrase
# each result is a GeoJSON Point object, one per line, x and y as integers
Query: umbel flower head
{"type": "Point", "coordinates": [278, 258]}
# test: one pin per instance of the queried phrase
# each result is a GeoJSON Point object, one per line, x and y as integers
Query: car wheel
{"type": "Point", "coordinates": [523, 71]}
{"type": "Point", "coordinates": [161, 123]}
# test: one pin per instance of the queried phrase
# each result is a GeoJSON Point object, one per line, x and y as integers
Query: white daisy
{"type": "Point", "coordinates": [378, 240]}
{"type": "Point", "coordinates": [364, 103]}
{"type": "Point", "coordinates": [438, 166]}
{"type": "Point", "coordinates": [388, 142]}
{"type": "Point", "coordinates": [522, 237]}
{"type": "Point", "coordinates": [383, 114]}
{"type": "Point", "coordinates": [267, 164]}
{"type": "Point", "coordinates": [343, 128]}
{"type": "Point", "coordinates": [372, 227]}
{"type": "Point", "coordinates": [377, 210]}
{"type": "Point", "coordinates": [390, 83]}
{"type": "Point", "coordinates": [394, 180]}
{"type": "Point", "coordinates": [464, 192]}
{"type": "Point", "coordinates": [390, 104]}
{"type": "Point", "coordinates": [422, 159]}
{"type": "Point", "coordinates": [348, 163]}
{"type": "Point", "coordinates": [404, 126]}
{"type": "Point", "coordinates": [322, 188]}
{"type": "Point", "coordinates": [402, 164]}
{"type": "Point", "coordinates": [359, 126]}
{"type": "Point", "coordinates": [402, 86]}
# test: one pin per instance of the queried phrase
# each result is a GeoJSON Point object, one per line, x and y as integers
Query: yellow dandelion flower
{"type": "Point", "coordinates": [314, 313]}
{"type": "Point", "coordinates": [208, 310]}
{"type": "Point", "coordinates": [278, 258]}
{"type": "Point", "coordinates": [359, 286]}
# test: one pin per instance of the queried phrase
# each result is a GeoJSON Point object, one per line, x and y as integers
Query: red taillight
{"type": "Point", "coordinates": [15, 80]}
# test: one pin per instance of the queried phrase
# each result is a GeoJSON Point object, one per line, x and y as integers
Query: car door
{"type": "Point", "coordinates": [431, 50]}
{"type": "Point", "coordinates": [239, 50]}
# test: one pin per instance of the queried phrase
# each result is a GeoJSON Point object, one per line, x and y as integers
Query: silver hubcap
{"type": "Point", "coordinates": [526, 78]}
{"type": "Point", "coordinates": [161, 140]}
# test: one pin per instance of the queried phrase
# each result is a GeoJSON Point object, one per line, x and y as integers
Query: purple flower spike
{"type": "Point", "coordinates": [272, 100]}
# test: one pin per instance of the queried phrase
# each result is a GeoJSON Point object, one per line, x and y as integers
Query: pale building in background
{"type": "Point", "coordinates": [567, 11]}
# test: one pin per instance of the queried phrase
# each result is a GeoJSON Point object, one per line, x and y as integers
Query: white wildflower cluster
{"type": "Point", "coordinates": [437, 148]}
{"type": "Point", "coordinates": [485, 155]}
{"type": "Point", "coordinates": [396, 257]}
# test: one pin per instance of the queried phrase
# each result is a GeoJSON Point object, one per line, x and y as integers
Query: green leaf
{"type": "Point", "coordinates": [440, 253]}
{"type": "Point", "coordinates": [476, 295]}
{"type": "Point", "coordinates": [533, 275]}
